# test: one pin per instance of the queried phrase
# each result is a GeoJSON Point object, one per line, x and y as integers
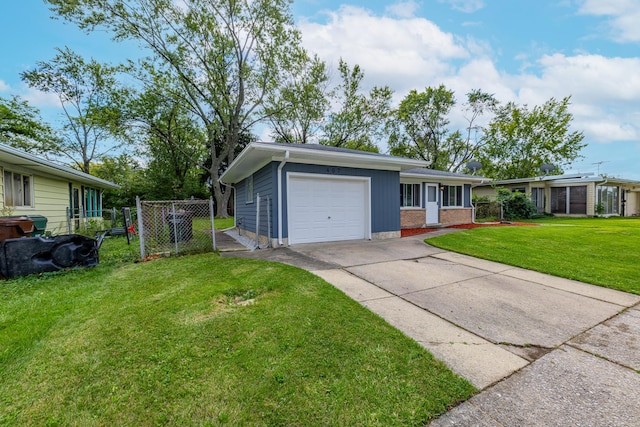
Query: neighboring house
{"type": "Point", "coordinates": [34, 186]}
{"type": "Point", "coordinates": [573, 195]}
{"type": "Point", "coordinates": [294, 193]}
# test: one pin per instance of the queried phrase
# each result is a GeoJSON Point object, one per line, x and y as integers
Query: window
{"type": "Point", "coordinates": [578, 200]}
{"type": "Point", "coordinates": [519, 190]}
{"type": "Point", "coordinates": [432, 194]}
{"type": "Point", "coordinates": [18, 190]}
{"type": "Point", "coordinates": [452, 195]}
{"type": "Point", "coordinates": [537, 198]}
{"type": "Point", "coordinates": [559, 200]}
{"type": "Point", "coordinates": [249, 189]}
{"type": "Point", "coordinates": [607, 201]}
{"type": "Point", "coordinates": [569, 200]}
{"type": "Point", "coordinates": [410, 195]}
{"type": "Point", "coordinates": [93, 203]}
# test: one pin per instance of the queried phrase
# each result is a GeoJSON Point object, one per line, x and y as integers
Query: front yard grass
{"type": "Point", "coordinates": [600, 251]}
{"type": "Point", "coordinates": [204, 340]}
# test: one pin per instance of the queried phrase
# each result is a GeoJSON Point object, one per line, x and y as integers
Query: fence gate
{"type": "Point", "coordinates": [171, 227]}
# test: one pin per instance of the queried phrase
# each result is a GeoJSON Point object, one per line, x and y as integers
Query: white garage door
{"type": "Point", "coordinates": [326, 208]}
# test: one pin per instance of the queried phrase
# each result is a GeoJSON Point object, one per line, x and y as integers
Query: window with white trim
{"type": "Point", "coordinates": [452, 196]}
{"type": "Point", "coordinates": [249, 189]}
{"type": "Point", "coordinates": [18, 189]}
{"type": "Point", "coordinates": [410, 195]}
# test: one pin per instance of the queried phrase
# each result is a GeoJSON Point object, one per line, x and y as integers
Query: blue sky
{"type": "Point", "coordinates": [522, 51]}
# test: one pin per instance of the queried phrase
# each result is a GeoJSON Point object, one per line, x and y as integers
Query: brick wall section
{"type": "Point", "coordinates": [412, 218]}
{"type": "Point", "coordinates": [455, 216]}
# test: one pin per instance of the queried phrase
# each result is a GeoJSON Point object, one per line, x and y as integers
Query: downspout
{"type": "Point", "coordinates": [280, 166]}
{"type": "Point", "coordinates": [473, 213]}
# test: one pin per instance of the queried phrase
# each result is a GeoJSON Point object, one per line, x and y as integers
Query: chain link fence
{"type": "Point", "coordinates": [488, 211]}
{"type": "Point", "coordinates": [172, 227]}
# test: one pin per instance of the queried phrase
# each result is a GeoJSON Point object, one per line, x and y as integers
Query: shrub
{"type": "Point", "coordinates": [516, 205]}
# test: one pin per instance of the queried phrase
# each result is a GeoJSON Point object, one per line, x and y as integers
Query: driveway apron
{"type": "Point", "coordinates": [543, 350]}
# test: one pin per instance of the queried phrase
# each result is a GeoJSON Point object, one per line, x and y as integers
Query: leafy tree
{"type": "Point", "coordinates": [245, 139]}
{"type": "Point", "coordinates": [296, 112]}
{"type": "Point", "coordinates": [170, 139]}
{"type": "Point", "coordinates": [420, 127]}
{"type": "Point", "coordinates": [22, 127]}
{"type": "Point", "coordinates": [128, 173]}
{"type": "Point", "coordinates": [89, 99]}
{"type": "Point", "coordinates": [519, 140]}
{"type": "Point", "coordinates": [360, 120]}
{"type": "Point", "coordinates": [224, 55]}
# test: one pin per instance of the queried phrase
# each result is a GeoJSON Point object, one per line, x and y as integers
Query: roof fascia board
{"type": "Point", "coordinates": [19, 158]}
{"type": "Point", "coordinates": [313, 156]}
{"type": "Point", "coordinates": [266, 153]}
{"type": "Point", "coordinates": [539, 179]}
{"type": "Point", "coordinates": [431, 178]}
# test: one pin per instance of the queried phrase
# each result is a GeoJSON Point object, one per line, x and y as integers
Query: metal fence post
{"type": "Point", "coordinates": [140, 226]}
{"type": "Point", "coordinates": [175, 228]}
{"type": "Point", "coordinates": [268, 222]}
{"type": "Point", "coordinates": [213, 225]}
{"type": "Point", "coordinates": [257, 220]}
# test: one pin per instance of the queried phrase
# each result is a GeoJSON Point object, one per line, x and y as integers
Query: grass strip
{"type": "Point", "coordinates": [600, 251]}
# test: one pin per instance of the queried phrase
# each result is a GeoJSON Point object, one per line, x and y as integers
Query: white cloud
{"type": "Point", "coordinates": [607, 129]}
{"type": "Point", "coordinates": [624, 17]}
{"type": "Point", "coordinates": [413, 53]}
{"type": "Point", "coordinates": [403, 9]}
{"type": "Point", "coordinates": [598, 77]}
{"type": "Point", "coordinates": [399, 52]}
{"type": "Point", "coordinates": [466, 6]}
{"type": "Point", "coordinates": [4, 87]}
{"type": "Point", "coordinates": [604, 92]}
{"type": "Point", "coordinates": [40, 99]}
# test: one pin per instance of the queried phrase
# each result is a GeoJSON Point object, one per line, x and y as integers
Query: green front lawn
{"type": "Point", "coordinates": [204, 340]}
{"type": "Point", "coordinates": [601, 251]}
{"type": "Point", "coordinates": [224, 223]}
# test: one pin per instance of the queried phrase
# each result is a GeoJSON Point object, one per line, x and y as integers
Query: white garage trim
{"type": "Point", "coordinates": [324, 230]}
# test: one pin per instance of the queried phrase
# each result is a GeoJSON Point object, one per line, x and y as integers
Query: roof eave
{"type": "Point", "coordinates": [443, 177]}
{"type": "Point", "coordinates": [21, 158]}
{"type": "Point", "coordinates": [244, 165]}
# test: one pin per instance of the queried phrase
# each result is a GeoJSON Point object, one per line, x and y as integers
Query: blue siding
{"type": "Point", "coordinates": [264, 183]}
{"type": "Point", "coordinates": [385, 193]}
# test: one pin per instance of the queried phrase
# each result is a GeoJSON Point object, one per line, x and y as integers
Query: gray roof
{"type": "Point", "coordinates": [562, 179]}
{"type": "Point", "coordinates": [438, 175]}
{"type": "Point", "coordinates": [328, 148]}
{"type": "Point", "coordinates": [257, 154]}
{"type": "Point", "coordinates": [13, 156]}
{"type": "Point", "coordinates": [434, 172]}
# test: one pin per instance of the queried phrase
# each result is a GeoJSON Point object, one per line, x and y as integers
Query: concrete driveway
{"type": "Point", "coordinates": [544, 350]}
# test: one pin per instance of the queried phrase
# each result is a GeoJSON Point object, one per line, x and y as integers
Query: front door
{"type": "Point", "coordinates": [431, 204]}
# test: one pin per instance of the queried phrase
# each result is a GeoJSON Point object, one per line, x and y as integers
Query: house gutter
{"type": "Point", "coordinates": [280, 203]}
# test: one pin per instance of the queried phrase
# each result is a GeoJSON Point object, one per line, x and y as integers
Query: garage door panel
{"type": "Point", "coordinates": [327, 209]}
